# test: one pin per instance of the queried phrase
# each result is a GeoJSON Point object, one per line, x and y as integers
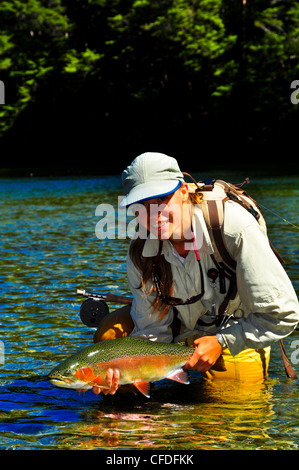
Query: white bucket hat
{"type": "Point", "coordinates": [149, 176]}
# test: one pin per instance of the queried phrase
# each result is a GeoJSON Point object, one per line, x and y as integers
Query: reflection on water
{"type": "Point", "coordinates": [48, 249]}
{"type": "Point", "coordinates": [212, 417]}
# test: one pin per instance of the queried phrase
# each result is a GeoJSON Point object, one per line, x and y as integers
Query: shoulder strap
{"type": "Point", "coordinates": [215, 216]}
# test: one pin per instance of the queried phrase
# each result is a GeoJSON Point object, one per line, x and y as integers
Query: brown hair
{"type": "Point", "coordinates": [145, 265]}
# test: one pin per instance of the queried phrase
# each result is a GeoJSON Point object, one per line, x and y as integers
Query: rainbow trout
{"type": "Point", "coordinates": [139, 362]}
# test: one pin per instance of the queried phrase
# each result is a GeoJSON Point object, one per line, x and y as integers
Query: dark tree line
{"type": "Point", "coordinates": [95, 81]}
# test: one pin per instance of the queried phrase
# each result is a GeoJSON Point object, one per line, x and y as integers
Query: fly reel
{"type": "Point", "coordinates": [92, 312]}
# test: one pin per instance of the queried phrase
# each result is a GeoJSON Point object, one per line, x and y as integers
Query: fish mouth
{"type": "Point", "coordinates": [64, 382]}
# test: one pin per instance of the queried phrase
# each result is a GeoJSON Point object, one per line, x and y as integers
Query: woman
{"type": "Point", "coordinates": [177, 289]}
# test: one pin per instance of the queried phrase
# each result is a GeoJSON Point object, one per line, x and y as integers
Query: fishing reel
{"type": "Point", "coordinates": [95, 308]}
{"type": "Point", "coordinates": [92, 312]}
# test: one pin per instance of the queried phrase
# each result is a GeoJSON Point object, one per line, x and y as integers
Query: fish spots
{"type": "Point", "coordinates": [137, 361]}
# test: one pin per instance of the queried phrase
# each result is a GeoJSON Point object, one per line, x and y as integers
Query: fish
{"type": "Point", "coordinates": [139, 361]}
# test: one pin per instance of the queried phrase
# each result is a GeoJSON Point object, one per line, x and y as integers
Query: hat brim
{"type": "Point", "coordinates": [149, 190]}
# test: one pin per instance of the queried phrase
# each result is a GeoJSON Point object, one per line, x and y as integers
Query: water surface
{"type": "Point", "coordinates": [48, 249]}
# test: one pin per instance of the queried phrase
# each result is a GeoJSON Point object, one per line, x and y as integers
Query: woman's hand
{"type": "Point", "coordinates": [112, 380]}
{"type": "Point", "coordinates": [207, 351]}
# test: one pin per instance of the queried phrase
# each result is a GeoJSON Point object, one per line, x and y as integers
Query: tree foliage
{"type": "Point", "coordinates": [176, 73]}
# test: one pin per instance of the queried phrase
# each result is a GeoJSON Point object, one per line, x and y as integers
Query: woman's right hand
{"type": "Point", "coordinates": [112, 380]}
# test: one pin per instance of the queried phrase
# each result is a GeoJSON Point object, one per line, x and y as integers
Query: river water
{"type": "Point", "coordinates": [48, 249]}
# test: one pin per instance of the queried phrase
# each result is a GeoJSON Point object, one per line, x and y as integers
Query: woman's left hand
{"type": "Point", "coordinates": [207, 351]}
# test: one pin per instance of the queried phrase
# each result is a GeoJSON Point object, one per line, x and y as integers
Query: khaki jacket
{"type": "Point", "coordinates": [264, 310]}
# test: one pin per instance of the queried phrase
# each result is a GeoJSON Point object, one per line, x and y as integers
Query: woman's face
{"type": "Point", "coordinates": [168, 217]}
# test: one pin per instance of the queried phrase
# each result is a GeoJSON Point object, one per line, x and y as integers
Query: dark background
{"type": "Point", "coordinates": [92, 84]}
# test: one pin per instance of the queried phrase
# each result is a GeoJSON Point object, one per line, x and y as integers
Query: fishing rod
{"type": "Point", "coordinates": [95, 307]}
{"type": "Point", "coordinates": [120, 299]}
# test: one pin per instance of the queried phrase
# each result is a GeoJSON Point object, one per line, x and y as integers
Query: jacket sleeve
{"type": "Point", "coordinates": [265, 290]}
{"type": "Point", "coordinates": [147, 324]}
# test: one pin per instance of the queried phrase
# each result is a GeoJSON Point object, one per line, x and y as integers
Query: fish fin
{"type": "Point", "coordinates": [85, 374]}
{"type": "Point", "coordinates": [99, 381]}
{"type": "Point", "coordinates": [143, 386]}
{"type": "Point", "coordinates": [179, 375]}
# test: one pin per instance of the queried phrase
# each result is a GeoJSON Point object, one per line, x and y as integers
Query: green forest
{"type": "Point", "coordinates": [100, 81]}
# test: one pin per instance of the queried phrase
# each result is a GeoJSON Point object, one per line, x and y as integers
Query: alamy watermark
{"type": "Point", "coordinates": [156, 221]}
{"type": "Point", "coordinates": [295, 354]}
{"type": "Point", "coordinates": [295, 94]}
{"type": "Point", "coordinates": [2, 92]}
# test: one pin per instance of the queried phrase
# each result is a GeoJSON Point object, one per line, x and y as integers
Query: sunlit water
{"type": "Point", "coordinates": [48, 249]}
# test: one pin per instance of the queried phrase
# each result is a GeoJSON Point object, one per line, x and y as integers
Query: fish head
{"type": "Point", "coordinates": [65, 375]}
{"type": "Point", "coordinates": [65, 382]}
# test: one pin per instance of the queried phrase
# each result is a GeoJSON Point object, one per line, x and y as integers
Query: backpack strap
{"type": "Point", "coordinates": [215, 215]}
{"type": "Point", "coordinates": [235, 194]}
{"type": "Point", "coordinates": [213, 211]}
